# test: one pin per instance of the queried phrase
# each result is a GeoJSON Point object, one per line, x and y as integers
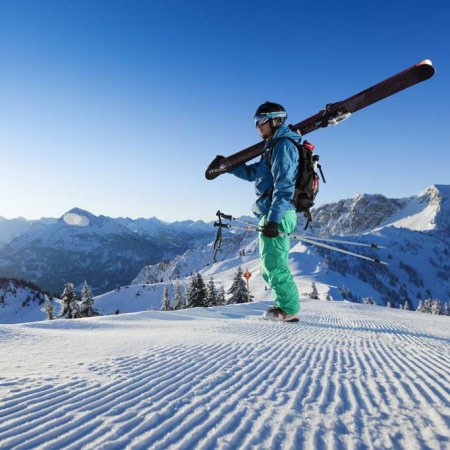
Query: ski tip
{"type": "Point", "coordinates": [425, 69]}
{"type": "Point", "coordinates": [425, 62]}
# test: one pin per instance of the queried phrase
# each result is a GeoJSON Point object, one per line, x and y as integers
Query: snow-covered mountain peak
{"type": "Point", "coordinates": [355, 215]}
{"type": "Point", "coordinates": [429, 211]}
{"type": "Point", "coordinates": [436, 193]}
{"type": "Point", "coordinates": [367, 212]}
{"type": "Point", "coordinates": [77, 217]}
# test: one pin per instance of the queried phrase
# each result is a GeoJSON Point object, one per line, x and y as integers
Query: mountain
{"type": "Point", "coordinates": [429, 211]}
{"type": "Point", "coordinates": [114, 252]}
{"type": "Point", "coordinates": [80, 246]}
{"type": "Point", "coordinates": [414, 231]}
{"type": "Point", "coordinates": [10, 228]}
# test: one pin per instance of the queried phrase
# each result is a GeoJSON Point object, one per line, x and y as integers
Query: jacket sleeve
{"type": "Point", "coordinates": [246, 172]}
{"type": "Point", "coordinates": [284, 171]}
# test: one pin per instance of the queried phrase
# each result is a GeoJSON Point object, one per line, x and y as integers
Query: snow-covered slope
{"type": "Point", "coordinates": [198, 258]}
{"type": "Point", "coordinates": [21, 301]}
{"type": "Point", "coordinates": [345, 376]}
{"type": "Point", "coordinates": [428, 211]}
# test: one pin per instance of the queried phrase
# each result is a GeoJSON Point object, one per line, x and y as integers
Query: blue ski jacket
{"type": "Point", "coordinates": [275, 181]}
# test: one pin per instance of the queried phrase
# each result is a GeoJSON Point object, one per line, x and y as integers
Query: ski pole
{"type": "Point", "coordinates": [306, 240]}
{"type": "Point", "coordinates": [338, 241]}
{"type": "Point", "coordinates": [336, 249]}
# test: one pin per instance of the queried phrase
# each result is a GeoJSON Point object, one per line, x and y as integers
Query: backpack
{"type": "Point", "coordinates": [307, 183]}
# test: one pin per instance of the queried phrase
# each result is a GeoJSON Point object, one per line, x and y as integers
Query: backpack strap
{"type": "Point", "coordinates": [272, 145]}
{"type": "Point", "coordinates": [275, 141]}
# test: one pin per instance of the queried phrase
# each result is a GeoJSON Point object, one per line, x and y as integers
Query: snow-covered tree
{"type": "Point", "coordinates": [427, 305]}
{"type": "Point", "coordinates": [70, 306]}
{"type": "Point", "coordinates": [87, 302]}
{"type": "Point", "coordinates": [436, 307]}
{"type": "Point", "coordinates": [347, 294]}
{"type": "Point", "coordinates": [238, 291]}
{"type": "Point", "coordinates": [165, 304]}
{"type": "Point", "coordinates": [49, 308]}
{"type": "Point", "coordinates": [420, 307]}
{"type": "Point", "coordinates": [196, 293]}
{"type": "Point", "coordinates": [314, 294]}
{"type": "Point", "coordinates": [178, 301]}
{"type": "Point", "coordinates": [369, 301]}
{"type": "Point", "coordinates": [329, 297]}
{"type": "Point", "coordinates": [221, 299]}
{"type": "Point", "coordinates": [407, 305]}
{"type": "Point", "coordinates": [446, 311]}
{"type": "Point", "coordinates": [211, 294]}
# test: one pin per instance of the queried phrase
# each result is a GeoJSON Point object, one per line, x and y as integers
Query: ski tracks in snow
{"type": "Point", "coordinates": [332, 381]}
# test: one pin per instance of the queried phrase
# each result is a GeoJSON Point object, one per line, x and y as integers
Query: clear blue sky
{"type": "Point", "coordinates": [117, 107]}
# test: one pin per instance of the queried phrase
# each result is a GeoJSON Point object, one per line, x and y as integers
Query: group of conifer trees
{"type": "Point", "coordinates": [74, 306]}
{"type": "Point", "coordinates": [435, 306]}
{"type": "Point", "coordinates": [199, 293]}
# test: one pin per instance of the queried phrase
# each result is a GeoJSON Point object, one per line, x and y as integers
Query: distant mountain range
{"type": "Point", "coordinates": [80, 246]}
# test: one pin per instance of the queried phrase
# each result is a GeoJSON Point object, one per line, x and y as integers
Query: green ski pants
{"type": "Point", "coordinates": [274, 253]}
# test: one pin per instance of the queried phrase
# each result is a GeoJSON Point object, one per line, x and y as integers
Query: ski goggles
{"type": "Point", "coordinates": [259, 122]}
{"type": "Point", "coordinates": [261, 119]}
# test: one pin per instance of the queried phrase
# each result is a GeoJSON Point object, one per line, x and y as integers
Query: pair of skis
{"type": "Point", "coordinates": [307, 239]}
{"type": "Point", "coordinates": [332, 114]}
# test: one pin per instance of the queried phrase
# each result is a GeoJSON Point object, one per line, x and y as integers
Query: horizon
{"type": "Point", "coordinates": [59, 216]}
{"type": "Point", "coordinates": [121, 108]}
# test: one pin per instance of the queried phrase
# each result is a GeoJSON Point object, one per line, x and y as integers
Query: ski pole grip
{"type": "Point", "coordinates": [226, 216]}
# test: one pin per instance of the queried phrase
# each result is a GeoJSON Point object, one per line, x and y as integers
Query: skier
{"type": "Point", "coordinates": [275, 176]}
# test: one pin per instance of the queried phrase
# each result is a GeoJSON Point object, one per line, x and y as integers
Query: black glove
{"type": "Point", "coordinates": [270, 230]}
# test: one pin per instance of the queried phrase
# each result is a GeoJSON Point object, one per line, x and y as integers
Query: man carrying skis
{"type": "Point", "coordinates": [275, 176]}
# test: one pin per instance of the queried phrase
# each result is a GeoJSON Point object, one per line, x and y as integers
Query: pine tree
{"type": "Point", "coordinates": [70, 309]}
{"type": "Point", "coordinates": [427, 306]}
{"type": "Point", "coordinates": [446, 311]}
{"type": "Point", "coordinates": [178, 301]}
{"type": "Point", "coordinates": [369, 301]}
{"type": "Point", "coordinates": [165, 304]}
{"type": "Point", "coordinates": [211, 294]}
{"type": "Point", "coordinates": [329, 297]}
{"type": "Point", "coordinates": [407, 305]}
{"type": "Point", "coordinates": [420, 306]}
{"type": "Point", "coordinates": [238, 291]}
{"type": "Point", "coordinates": [436, 307]}
{"type": "Point", "coordinates": [314, 295]}
{"type": "Point", "coordinates": [49, 308]}
{"type": "Point", "coordinates": [221, 299]}
{"type": "Point", "coordinates": [87, 302]}
{"type": "Point", "coordinates": [196, 293]}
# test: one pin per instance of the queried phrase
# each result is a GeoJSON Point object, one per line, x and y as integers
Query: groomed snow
{"type": "Point", "coordinates": [345, 376]}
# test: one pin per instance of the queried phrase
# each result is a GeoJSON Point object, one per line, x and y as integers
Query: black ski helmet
{"type": "Point", "coordinates": [270, 110]}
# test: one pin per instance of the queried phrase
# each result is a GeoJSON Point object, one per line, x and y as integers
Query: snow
{"type": "Point", "coordinates": [345, 376]}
